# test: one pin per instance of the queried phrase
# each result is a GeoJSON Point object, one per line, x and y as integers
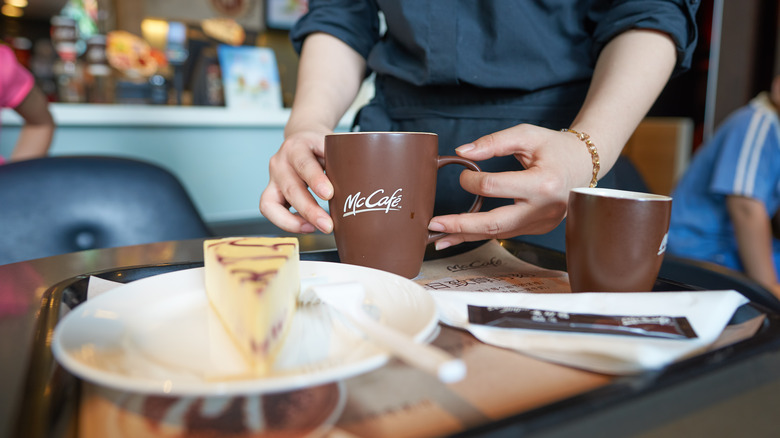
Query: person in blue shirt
{"type": "Point", "coordinates": [497, 81]}
{"type": "Point", "coordinates": [723, 205]}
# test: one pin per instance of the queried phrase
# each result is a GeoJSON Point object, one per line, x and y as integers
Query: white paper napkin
{"type": "Point", "coordinates": [708, 312]}
{"type": "Point", "coordinates": [97, 286]}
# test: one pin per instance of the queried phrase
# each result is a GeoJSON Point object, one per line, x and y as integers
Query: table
{"type": "Point", "coordinates": [730, 392]}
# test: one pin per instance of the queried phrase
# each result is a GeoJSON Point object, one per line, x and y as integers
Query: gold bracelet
{"type": "Point", "coordinates": [594, 154]}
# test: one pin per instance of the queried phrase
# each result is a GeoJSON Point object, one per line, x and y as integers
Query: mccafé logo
{"type": "Point", "coordinates": [377, 201]}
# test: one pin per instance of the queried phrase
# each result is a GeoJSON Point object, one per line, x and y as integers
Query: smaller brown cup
{"type": "Point", "coordinates": [615, 239]}
{"type": "Point", "coordinates": [384, 187]}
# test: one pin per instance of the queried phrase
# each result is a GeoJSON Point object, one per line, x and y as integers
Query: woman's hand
{"type": "Point", "coordinates": [630, 73]}
{"type": "Point", "coordinates": [329, 76]}
{"type": "Point", "coordinates": [297, 166]}
{"type": "Point", "coordinates": [555, 162]}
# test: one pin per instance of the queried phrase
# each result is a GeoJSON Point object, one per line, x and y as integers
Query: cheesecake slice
{"type": "Point", "coordinates": [253, 284]}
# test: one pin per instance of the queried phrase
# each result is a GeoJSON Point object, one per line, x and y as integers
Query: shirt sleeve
{"type": "Point", "coordinates": [677, 18]}
{"type": "Point", "coordinates": [749, 159]}
{"type": "Point", "coordinates": [355, 22]}
{"type": "Point", "coordinates": [15, 80]}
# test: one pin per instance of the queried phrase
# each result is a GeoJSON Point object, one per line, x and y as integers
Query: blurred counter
{"type": "Point", "coordinates": [97, 115]}
{"type": "Point", "coordinates": [221, 155]}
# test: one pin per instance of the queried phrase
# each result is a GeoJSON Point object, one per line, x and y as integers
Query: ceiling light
{"type": "Point", "coordinates": [11, 11]}
{"type": "Point", "coordinates": [17, 3]}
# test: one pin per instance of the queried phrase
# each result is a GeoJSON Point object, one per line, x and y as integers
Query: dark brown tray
{"type": "Point", "coordinates": [50, 402]}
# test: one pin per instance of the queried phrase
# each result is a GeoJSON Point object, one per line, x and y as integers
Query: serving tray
{"type": "Point", "coordinates": [50, 403]}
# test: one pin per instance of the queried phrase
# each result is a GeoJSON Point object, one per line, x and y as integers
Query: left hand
{"type": "Point", "coordinates": [555, 162]}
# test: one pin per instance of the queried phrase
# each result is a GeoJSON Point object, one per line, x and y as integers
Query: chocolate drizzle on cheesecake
{"type": "Point", "coordinates": [276, 330]}
{"type": "Point", "coordinates": [243, 243]}
{"type": "Point", "coordinates": [254, 276]}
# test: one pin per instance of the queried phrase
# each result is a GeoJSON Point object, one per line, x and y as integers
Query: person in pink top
{"type": "Point", "coordinates": [18, 91]}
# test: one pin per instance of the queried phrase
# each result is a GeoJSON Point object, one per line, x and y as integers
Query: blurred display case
{"type": "Point", "coordinates": [135, 52]}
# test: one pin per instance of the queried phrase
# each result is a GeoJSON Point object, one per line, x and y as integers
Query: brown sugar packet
{"type": "Point", "coordinates": [660, 326]}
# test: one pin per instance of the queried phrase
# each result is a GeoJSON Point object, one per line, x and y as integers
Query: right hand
{"type": "Point", "coordinates": [297, 166]}
{"type": "Point", "coordinates": [555, 162]}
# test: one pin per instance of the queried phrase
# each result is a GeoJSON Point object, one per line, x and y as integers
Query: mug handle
{"type": "Point", "coordinates": [444, 160]}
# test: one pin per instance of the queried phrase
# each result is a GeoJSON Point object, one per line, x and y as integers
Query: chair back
{"type": "Point", "coordinates": [56, 205]}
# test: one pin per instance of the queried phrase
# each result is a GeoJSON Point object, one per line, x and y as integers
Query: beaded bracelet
{"type": "Point", "coordinates": [594, 154]}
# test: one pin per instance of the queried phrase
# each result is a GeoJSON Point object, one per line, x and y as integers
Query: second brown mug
{"type": "Point", "coordinates": [384, 191]}
{"type": "Point", "coordinates": [615, 239]}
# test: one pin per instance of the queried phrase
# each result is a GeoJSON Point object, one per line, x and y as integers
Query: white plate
{"type": "Point", "coordinates": [159, 335]}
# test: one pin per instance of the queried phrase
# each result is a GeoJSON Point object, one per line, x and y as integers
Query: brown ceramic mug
{"type": "Point", "coordinates": [615, 239]}
{"type": "Point", "coordinates": [384, 190]}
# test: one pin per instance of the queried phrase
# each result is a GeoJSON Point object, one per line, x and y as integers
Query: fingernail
{"type": "Point", "coordinates": [465, 148]}
{"type": "Point", "coordinates": [307, 228]}
{"type": "Point", "coordinates": [325, 225]}
{"type": "Point", "coordinates": [325, 190]}
{"type": "Point", "coordinates": [440, 245]}
{"type": "Point", "coordinates": [435, 226]}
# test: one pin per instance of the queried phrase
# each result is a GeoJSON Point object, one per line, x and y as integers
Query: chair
{"type": "Point", "coordinates": [57, 205]}
{"type": "Point", "coordinates": [661, 149]}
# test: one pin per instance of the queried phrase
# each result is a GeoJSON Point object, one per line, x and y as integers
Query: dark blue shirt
{"type": "Point", "coordinates": [466, 68]}
{"type": "Point", "coordinates": [524, 45]}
